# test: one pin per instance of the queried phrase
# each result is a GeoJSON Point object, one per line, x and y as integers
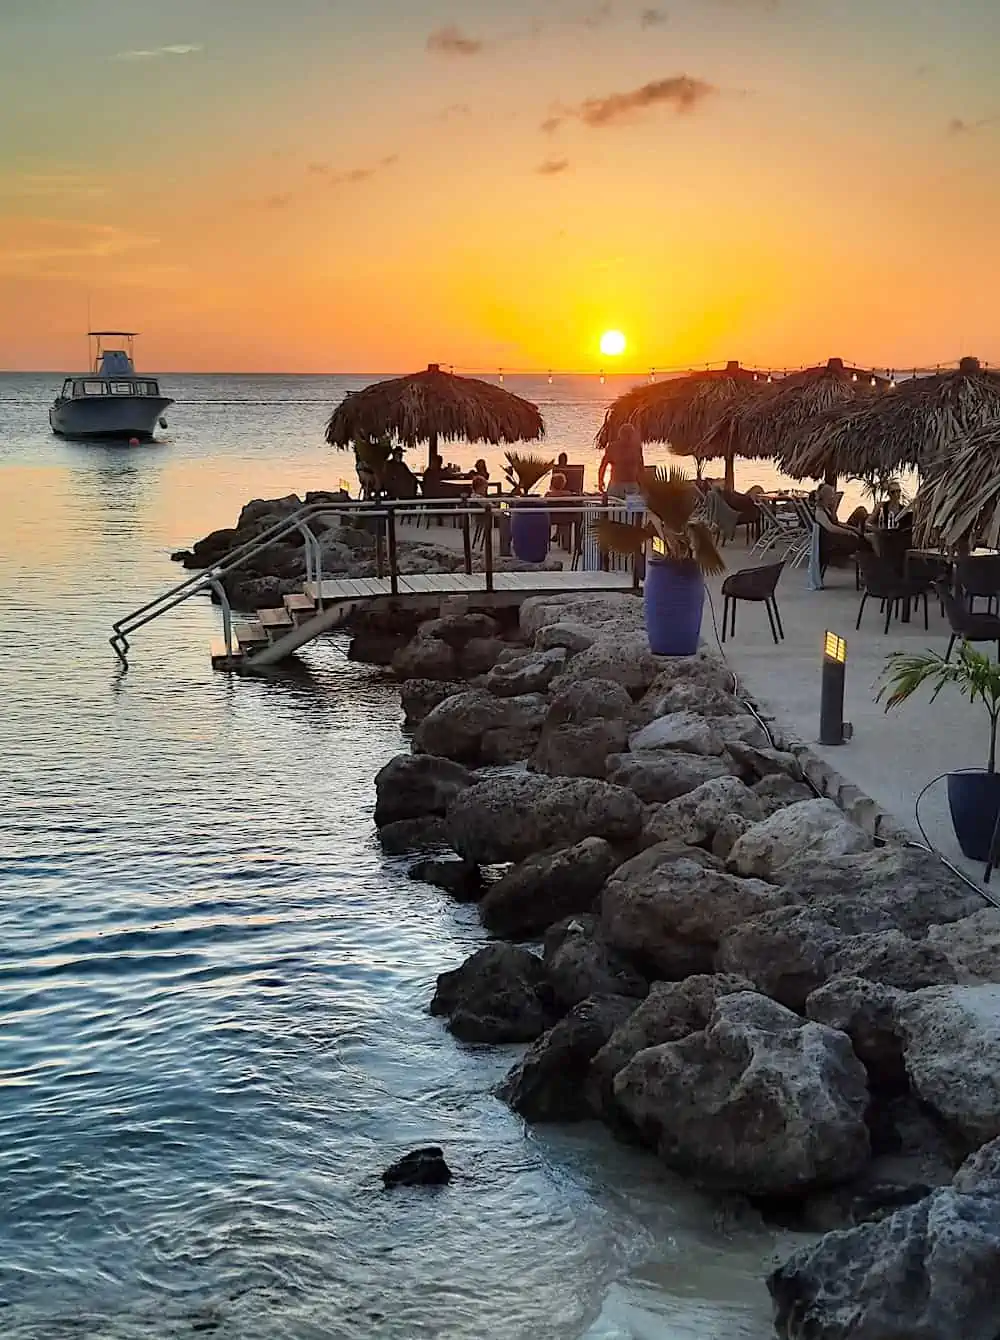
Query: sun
{"type": "Point", "coordinates": [613, 343]}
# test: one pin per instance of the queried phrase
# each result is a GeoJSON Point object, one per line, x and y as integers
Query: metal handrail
{"type": "Point", "coordinates": [211, 578]}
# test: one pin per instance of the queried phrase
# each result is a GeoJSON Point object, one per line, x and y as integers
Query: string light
{"type": "Point", "coordinates": [652, 376]}
{"type": "Point", "coordinates": [550, 376]}
{"type": "Point", "coordinates": [874, 380]}
{"type": "Point", "coordinates": [501, 376]}
{"type": "Point", "coordinates": [770, 379]}
{"type": "Point", "coordinates": [603, 378]}
{"type": "Point", "coordinates": [854, 378]}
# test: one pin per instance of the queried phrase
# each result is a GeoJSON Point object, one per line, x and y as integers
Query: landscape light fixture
{"type": "Point", "coordinates": [832, 728]}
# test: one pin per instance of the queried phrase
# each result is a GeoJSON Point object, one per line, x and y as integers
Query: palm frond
{"type": "Point", "coordinates": [973, 674]}
{"type": "Point", "coordinates": [671, 497]}
{"type": "Point", "coordinates": [526, 469]}
{"type": "Point", "coordinates": [618, 537]}
{"type": "Point", "coordinates": [704, 550]}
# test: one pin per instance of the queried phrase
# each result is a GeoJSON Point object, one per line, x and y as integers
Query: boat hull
{"type": "Point", "coordinates": [108, 416]}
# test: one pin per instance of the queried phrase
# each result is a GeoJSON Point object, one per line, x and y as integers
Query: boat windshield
{"type": "Point", "coordinates": [93, 387]}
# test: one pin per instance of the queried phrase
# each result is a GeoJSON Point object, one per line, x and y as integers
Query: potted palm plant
{"type": "Point", "coordinates": [973, 795]}
{"type": "Point", "coordinates": [680, 553]}
{"type": "Point", "coordinates": [530, 523]}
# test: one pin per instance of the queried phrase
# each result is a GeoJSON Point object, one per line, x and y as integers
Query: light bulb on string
{"type": "Point", "coordinates": [501, 376]}
{"type": "Point", "coordinates": [874, 380]}
{"type": "Point", "coordinates": [550, 377]}
{"type": "Point", "coordinates": [770, 380]}
{"type": "Point", "coordinates": [603, 378]}
{"type": "Point", "coordinates": [652, 376]}
{"type": "Point", "coordinates": [854, 378]}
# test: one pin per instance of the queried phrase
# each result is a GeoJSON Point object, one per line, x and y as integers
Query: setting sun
{"type": "Point", "coordinates": [613, 343]}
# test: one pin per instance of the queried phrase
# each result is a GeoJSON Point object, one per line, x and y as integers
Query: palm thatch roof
{"type": "Point", "coordinates": [959, 500]}
{"type": "Point", "coordinates": [679, 411]}
{"type": "Point", "coordinates": [434, 406]}
{"type": "Point", "coordinates": [767, 422]}
{"type": "Point", "coordinates": [913, 425]}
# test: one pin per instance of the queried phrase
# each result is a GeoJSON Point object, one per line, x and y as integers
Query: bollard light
{"type": "Point", "coordinates": [831, 711]}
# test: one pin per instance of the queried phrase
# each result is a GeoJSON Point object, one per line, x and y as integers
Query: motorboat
{"type": "Point", "coordinates": [112, 400]}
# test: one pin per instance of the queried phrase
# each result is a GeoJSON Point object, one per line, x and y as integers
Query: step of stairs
{"type": "Point", "coordinates": [275, 622]}
{"type": "Point", "coordinates": [250, 632]}
{"type": "Point", "coordinates": [221, 660]}
{"type": "Point", "coordinates": [300, 607]}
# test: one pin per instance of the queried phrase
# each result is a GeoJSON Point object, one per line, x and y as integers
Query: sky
{"type": "Point", "coordinates": [372, 185]}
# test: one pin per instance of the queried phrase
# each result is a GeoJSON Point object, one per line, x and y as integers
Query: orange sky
{"type": "Point", "coordinates": [339, 185]}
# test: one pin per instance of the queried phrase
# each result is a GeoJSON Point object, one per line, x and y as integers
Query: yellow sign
{"type": "Point", "coordinates": [835, 648]}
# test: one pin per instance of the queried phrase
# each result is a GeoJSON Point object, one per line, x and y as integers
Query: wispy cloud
{"type": "Point", "coordinates": [552, 167]}
{"type": "Point", "coordinates": [453, 41]}
{"type": "Point", "coordinates": [598, 15]}
{"type": "Point", "coordinates": [454, 110]}
{"type": "Point", "coordinates": [153, 53]}
{"type": "Point", "coordinates": [680, 91]}
{"type": "Point", "coordinates": [652, 18]}
{"type": "Point", "coordinates": [957, 126]}
{"type": "Point", "coordinates": [54, 248]}
{"type": "Point", "coordinates": [351, 176]}
{"type": "Point", "coordinates": [72, 185]}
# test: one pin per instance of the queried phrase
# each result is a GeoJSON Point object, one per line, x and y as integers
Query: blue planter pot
{"type": "Point", "coordinates": [674, 594]}
{"type": "Point", "coordinates": [530, 526]}
{"type": "Point", "coordinates": [974, 801]}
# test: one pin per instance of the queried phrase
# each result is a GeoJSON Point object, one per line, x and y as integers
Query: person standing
{"type": "Point", "coordinates": [624, 459]}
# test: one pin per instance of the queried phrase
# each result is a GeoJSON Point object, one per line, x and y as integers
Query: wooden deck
{"type": "Point", "coordinates": [508, 587]}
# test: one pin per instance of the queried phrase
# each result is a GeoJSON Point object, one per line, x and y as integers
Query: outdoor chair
{"type": "Point", "coordinates": [756, 585]}
{"type": "Point", "coordinates": [723, 519]}
{"type": "Point", "coordinates": [896, 593]}
{"type": "Point", "coordinates": [979, 579]}
{"type": "Point", "coordinates": [778, 530]}
{"type": "Point", "coordinates": [970, 627]}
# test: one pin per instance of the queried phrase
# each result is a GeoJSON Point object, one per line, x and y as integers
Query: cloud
{"type": "Point", "coordinates": [452, 41]}
{"type": "Point", "coordinates": [52, 248]}
{"type": "Point", "coordinates": [956, 126]}
{"type": "Point", "coordinates": [652, 18]}
{"type": "Point", "coordinates": [680, 91]}
{"type": "Point", "coordinates": [178, 49]}
{"type": "Point", "coordinates": [71, 185]}
{"type": "Point", "coordinates": [598, 15]}
{"type": "Point", "coordinates": [351, 176]}
{"type": "Point", "coordinates": [454, 110]}
{"type": "Point", "coordinates": [281, 201]}
{"type": "Point", "coordinates": [552, 167]}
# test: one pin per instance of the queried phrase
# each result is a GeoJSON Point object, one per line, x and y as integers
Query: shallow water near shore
{"type": "Point", "coordinates": [214, 986]}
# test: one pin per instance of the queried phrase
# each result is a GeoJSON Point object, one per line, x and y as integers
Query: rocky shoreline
{"type": "Point", "coordinates": [691, 944]}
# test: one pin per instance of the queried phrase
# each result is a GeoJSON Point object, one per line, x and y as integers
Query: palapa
{"type": "Point", "coordinates": [959, 500]}
{"type": "Point", "coordinates": [682, 410]}
{"type": "Point", "coordinates": [434, 406]}
{"type": "Point", "coordinates": [914, 425]}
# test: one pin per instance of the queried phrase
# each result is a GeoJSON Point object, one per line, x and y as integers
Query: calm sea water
{"type": "Point", "coordinates": [214, 987]}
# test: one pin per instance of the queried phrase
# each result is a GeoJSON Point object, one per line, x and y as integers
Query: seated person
{"type": "Point", "coordinates": [480, 470]}
{"type": "Point", "coordinates": [398, 479]}
{"type": "Point", "coordinates": [562, 460]}
{"type": "Point", "coordinates": [837, 541]}
{"type": "Point", "coordinates": [433, 476]}
{"type": "Point", "coordinates": [892, 507]}
{"type": "Point", "coordinates": [479, 486]}
{"type": "Point", "coordinates": [557, 487]}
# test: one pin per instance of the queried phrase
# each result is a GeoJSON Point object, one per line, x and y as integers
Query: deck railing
{"type": "Point", "coordinates": [486, 512]}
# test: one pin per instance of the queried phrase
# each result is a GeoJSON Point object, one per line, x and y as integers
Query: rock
{"type": "Point", "coordinates": [271, 510]}
{"type": "Point", "coordinates": [671, 1011]}
{"type": "Point", "coordinates": [426, 658]}
{"type": "Point", "coordinates": [705, 700]}
{"type": "Point", "coordinates": [579, 751]}
{"type": "Point", "coordinates": [258, 593]}
{"type": "Point", "coordinates": [626, 661]}
{"type": "Point", "coordinates": [728, 834]}
{"type": "Point", "coordinates": [706, 672]}
{"type": "Point", "coordinates": [548, 1084]}
{"type": "Point", "coordinates": [590, 700]}
{"type": "Point", "coordinates": [480, 655]}
{"type": "Point", "coordinates": [777, 792]}
{"type": "Point", "coordinates": [531, 673]}
{"type": "Point", "coordinates": [457, 630]}
{"type": "Point", "coordinates": [814, 826]}
{"type": "Point", "coordinates": [697, 816]}
{"type": "Point", "coordinates": [760, 1102]}
{"type": "Point", "coordinates": [927, 1272]}
{"type": "Point", "coordinates": [669, 916]}
{"type": "Point", "coordinates": [408, 835]}
{"type": "Point", "coordinates": [573, 637]}
{"type": "Point", "coordinates": [462, 879]}
{"type": "Point", "coordinates": [509, 818]}
{"type": "Point", "coordinates": [951, 1048]}
{"type": "Point", "coordinates": [755, 763]}
{"type": "Point", "coordinates": [376, 649]}
{"type": "Point", "coordinates": [971, 945]}
{"type": "Point", "coordinates": [894, 959]}
{"type": "Point", "coordinates": [866, 1012]}
{"type": "Point", "coordinates": [664, 774]}
{"type": "Point", "coordinates": [889, 888]}
{"type": "Point", "coordinates": [421, 696]}
{"type": "Point", "coordinates": [609, 614]}
{"type": "Point", "coordinates": [414, 786]}
{"type": "Point", "coordinates": [505, 746]}
{"type": "Point", "coordinates": [785, 952]}
{"type": "Point", "coordinates": [742, 731]}
{"type": "Point", "coordinates": [681, 730]}
{"type": "Point", "coordinates": [456, 727]}
{"type": "Point", "coordinates": [581, 965]}
{"type": "Point", "coordinates": [547, 887]}
{"type": "Point", "coordinates": [421, 1167]}
{"type": "Point", "coordinates": [500, 994]}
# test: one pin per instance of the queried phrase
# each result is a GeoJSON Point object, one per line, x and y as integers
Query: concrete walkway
{"type": "Point", "coordinates": [890, 757]}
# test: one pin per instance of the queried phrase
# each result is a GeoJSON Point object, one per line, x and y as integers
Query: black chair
{"type": "Point", "coordinates": [758, 586]}
{"type": "Point", "coordinates": [882, 583]}
{"type": "Point", "coordinates": [979, 578]}
{"type": "Point", "coordinates": [970, 627]}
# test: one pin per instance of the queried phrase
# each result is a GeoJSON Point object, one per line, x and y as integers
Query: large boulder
{"type": "Point", "coordinates": [971, 945]}
{"type": "Point", "coordinates": [777, 791]}
{"type": "Point", "coordinates": [591, 699]}
{"type": "Point", "coordinates": [547, 887]}
{"type": "Point", "coordinates": [500, 994]}
{"type": "Point", "coordinates": [413, 787]}
{"type": "Point", "coordinates": [761, 1102]}
{"type": "Point", "coordinates": [426, 658]}
{"type": "Point", "coordinates": [572, 637]}
{"type": "Point", "coordinates": [816, 827]}
{"type": "Point", "coordinates": [607, 613]}
{"type": "Point", "coordinates": [462, 879]}
{"type": "Point", "coordinates": [951, 1048]}
{"type": "Point", "coordinates": [531, 673]}
{"type": "Point", "coordinates": [459, 629]}
{"type": "Point", "coordinates": [691, 696]}
{"type": "Point", "coordinates": [581, 964]}
{"type": "Point", "coordinates": [699, 671]}
{"type": "Point", "coordinates": [657, 776]}
{"type": "Point", "coordinates": [465, 727]}
{"type": "Point", "coordinates": [669, 914]}
{"type": "Point", "coordinates": [626, 661]}
{"type": "Point", "coordinates": [866, 1012]}
{"type": "Point", "coordinates": [756, 762]}
{"type": "Point", "coordinates": [671, 1011]}
{"type": "Point", "coordinates": [270, 510]}
{"type": "Point", "coordinates": [927, 1272]}
{"type": "Point", "coordinates": [410, 835]}
{"type": "Point", "coordinates": [696, 817]}
{"type": "Point", "coordinates": [548, 1084]}
{"type": "Point", "coordinates": [685, 731]}
{"type": "Point", "coordinates": [420, 697]}
{"type": "Point", "coordinates": [579, 751]}
{"type": "Point", "coordinates": [480, 655]}
{"type": "Point", "coordinates": [512, 817]}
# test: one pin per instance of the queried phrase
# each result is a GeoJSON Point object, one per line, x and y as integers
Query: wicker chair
{"type": "Point", "coordinates": [756, 585]}
{"type": "Point", "coordinates": [970, 627]}
{"type": "Point", "coordinates": [979, 578]}
{"type": "Point", "coordinates": [881, 582]}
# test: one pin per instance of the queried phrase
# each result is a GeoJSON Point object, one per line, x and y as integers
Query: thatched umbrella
{"type": "Point", "coordinates": [681, 411]}
{"type": "Point", "coordinates": [914, 425]}
{"type": "Point", "coordinates": [768, 422]}
{"type": "Point", "coordinates": [960, 496]}
{"type": "Point", "coordinates": [433, 406]}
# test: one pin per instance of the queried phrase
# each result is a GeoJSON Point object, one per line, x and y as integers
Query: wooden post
{"type": "Point", "coordinates": [390, 531]}
{"type": "Point", "coordinates": [488, 548]}
{"type": "Point", "coordinates": [467, 540]}
{"type": "Point", "coordinates": [432, 448]}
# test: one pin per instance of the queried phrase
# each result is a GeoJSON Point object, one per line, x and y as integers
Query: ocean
{"type": "Point", "coordinates": [214, 986]}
